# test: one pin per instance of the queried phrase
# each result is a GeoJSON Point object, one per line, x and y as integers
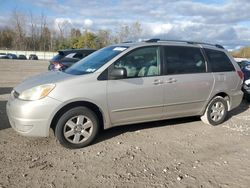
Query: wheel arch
{"type": "Point", "coordinates": [225, 96]}
{"type": "Point", "coordinates": [71, 105]}
{"type": "Point", "coordinates": [219, 94]}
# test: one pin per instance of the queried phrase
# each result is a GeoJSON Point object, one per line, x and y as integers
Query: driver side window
{"type": "Point", "coordinates": [142, 62]}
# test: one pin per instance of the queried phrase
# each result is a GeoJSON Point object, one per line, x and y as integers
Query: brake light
{"type": "Point", "coordinates": [241, 74]}
{"type": "Point", "coordinates": [58, 65]}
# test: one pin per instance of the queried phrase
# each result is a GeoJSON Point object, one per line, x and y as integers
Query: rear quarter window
{"type": "Point", "coordinates": [219, 61]}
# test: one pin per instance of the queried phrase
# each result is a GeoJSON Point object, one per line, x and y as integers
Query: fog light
{"type": "Point", "coordinates": [24, 128]}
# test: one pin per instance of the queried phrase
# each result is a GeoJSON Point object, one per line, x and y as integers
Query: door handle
{"type": "Point", "coordinates": [157, 82]}
{"type": "Point", "coordinates": [171, 80]}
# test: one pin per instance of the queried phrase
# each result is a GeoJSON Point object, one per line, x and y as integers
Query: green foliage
{"type": "Point", "coordinates": [44, 38]}
{"type": "Point", "coordinates": [87, 40]}
{"type": "Point", "coordinates": [6, 38]}
{"type": "Point", "coordinates": [242, 53]}
{"type": "Point", "coordinates": [63, 45]}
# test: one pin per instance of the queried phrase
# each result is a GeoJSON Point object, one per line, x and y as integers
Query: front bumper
{"type": "Point", "coordinates": [31, 118]}
{"type": "Point", "coordinates": [246, 89]}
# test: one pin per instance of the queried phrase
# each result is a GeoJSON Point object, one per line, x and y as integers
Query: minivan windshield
{"type": "Point", "coordinates": [95, 60]}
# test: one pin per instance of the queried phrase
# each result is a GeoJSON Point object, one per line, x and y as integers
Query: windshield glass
{"type": "Point", "coordinates": [95, 60]}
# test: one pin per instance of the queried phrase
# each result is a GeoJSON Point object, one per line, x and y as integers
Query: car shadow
{"type": "Point", "coordinates": [245, 105]}
{"type": "Point", "coordinates": [116, 131]}
{"type": "Point", "coordinates": [4, 122]}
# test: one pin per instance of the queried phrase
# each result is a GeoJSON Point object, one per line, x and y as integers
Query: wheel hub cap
{"type": "Point", "coordinates": [217, 111]}
{"type": "Point", "coordinates": [78, 129]}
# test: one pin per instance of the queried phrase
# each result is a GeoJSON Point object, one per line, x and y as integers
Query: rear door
{"type": "Point", "coordinates": [139, 96]}
{"type": "Point", "coordinates": [187, 83]}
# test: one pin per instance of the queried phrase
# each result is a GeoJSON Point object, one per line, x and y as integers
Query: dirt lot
{"type": "Point", "coordinates": [173, 153]}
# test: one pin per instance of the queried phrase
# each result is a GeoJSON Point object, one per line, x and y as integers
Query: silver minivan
{"type": "Point", "coordinates": [124, 84]}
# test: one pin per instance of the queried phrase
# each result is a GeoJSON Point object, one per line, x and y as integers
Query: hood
{"type": "Point", "coordinates": [45, 78]}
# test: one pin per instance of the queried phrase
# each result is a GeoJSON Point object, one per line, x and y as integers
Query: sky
{"type": "Point", "coordinates": [226, 22]}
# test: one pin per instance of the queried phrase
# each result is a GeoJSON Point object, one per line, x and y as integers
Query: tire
{"type": "Point", "coordinates": [217, 106]}
{"type": "Point", "coordinates": [77, 128]}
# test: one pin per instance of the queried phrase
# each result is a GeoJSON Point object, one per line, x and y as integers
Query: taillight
{"type": "Point", "coordinates": [241, 74]}
{"type": "Point", "coordinates": [57, 65]}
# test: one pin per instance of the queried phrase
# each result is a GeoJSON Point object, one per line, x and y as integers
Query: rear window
{"type": "Point", "coordinates": [219, 61]}
{"type": "Point", "coordinates": [57, 57]}
{"type": "Point", "coordinates": [74, 55]}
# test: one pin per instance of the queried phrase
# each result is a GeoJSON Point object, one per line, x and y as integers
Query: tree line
{"type": "Point", "coordinates": [29, 32]}
{"type": "Point", "coordinates": [242, 53]}
{"type": "Point", "coordinates": [36, 33]}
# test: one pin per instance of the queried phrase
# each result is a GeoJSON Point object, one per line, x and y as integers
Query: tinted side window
{"type": "Point", "coordinates": [184, 60]}
{"type": "Point", "coordinates": [219, 62]}
{"type": "Point", "coordinates": [141, 62]}
{"type": "Point", "coordinates": [78, 55]}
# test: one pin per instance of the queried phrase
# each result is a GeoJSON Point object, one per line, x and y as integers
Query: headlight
{"type": "Point", "coordinates": [36, 93]}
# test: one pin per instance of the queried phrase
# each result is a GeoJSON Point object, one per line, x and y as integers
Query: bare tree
{"type": "Point", "coordinates": [41, 35]}
{"type": "Point", "coordinates": [123, 33]}
{"type": "Point", "coordinates": [6, 38]}
{"type": "Point", "coordinates": [75, 33]}
{"type": "Point", "coordinates": [18, 20]}
{"type": "Point", "coordinates": [43, 25]}
{"type": "Point", "coordinates": [63, 26]}
{"type": "Point", "coordinates": [135, 30]}
{"type": "Point", "coordinates": [33, 32]}
{"type": "Point", "coordinates": [103, 38]}
{"type": "Point", "coordinates": [129, 32]}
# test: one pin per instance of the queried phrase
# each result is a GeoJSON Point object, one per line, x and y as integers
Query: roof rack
{"type": "Point", "coordinates": [184, 41]}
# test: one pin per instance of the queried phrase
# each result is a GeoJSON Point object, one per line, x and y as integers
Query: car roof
{"type": "Point", "coordinates": [151, 42]}
{"type": "Point", "coordinates": [76, 50]}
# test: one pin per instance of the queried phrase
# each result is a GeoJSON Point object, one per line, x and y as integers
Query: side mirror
{"type": "Point", "coordinates": [118, 73]}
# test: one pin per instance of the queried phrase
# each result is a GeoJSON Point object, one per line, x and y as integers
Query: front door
{"type": "Point", "coordinates": [139, 96]}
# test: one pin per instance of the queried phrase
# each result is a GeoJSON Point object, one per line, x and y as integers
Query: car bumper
{"type": "Point", "coordinates": [31, 118]}
{"type": "Point", "coordinates": [246, 89]}
{"type": "Point", "coordinates": [235, 99]}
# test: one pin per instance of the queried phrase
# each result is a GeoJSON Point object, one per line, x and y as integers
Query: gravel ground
{"type": "Point", "coordinates": [173, 153]}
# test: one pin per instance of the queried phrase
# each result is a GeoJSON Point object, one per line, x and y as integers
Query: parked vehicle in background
{"type": "Point", "coordinates": [3, 56]}
{"type": "Point", "coordinates": [245, 67]}
{"type": "Point", "coordinates": [33, 57]}
{"type": "Point", "coordinates": [22, 57]}
{"type": "Point", "coordinates": [128, 83]}
{"type": "Point", "coordinates": [66, 58]}
{"type": "Point", "coordinates": [11, 56]}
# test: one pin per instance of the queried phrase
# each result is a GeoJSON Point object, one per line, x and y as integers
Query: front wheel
{"type": "Point", "coordinates": [216, 111]}
{"type": "Point", "coordinates": [77, 128]}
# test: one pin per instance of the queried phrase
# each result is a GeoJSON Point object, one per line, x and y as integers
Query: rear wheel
{"type": "Point", "coordinates": [216, 111]}
{"type": "Point", "coordinates": [77, 127]}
